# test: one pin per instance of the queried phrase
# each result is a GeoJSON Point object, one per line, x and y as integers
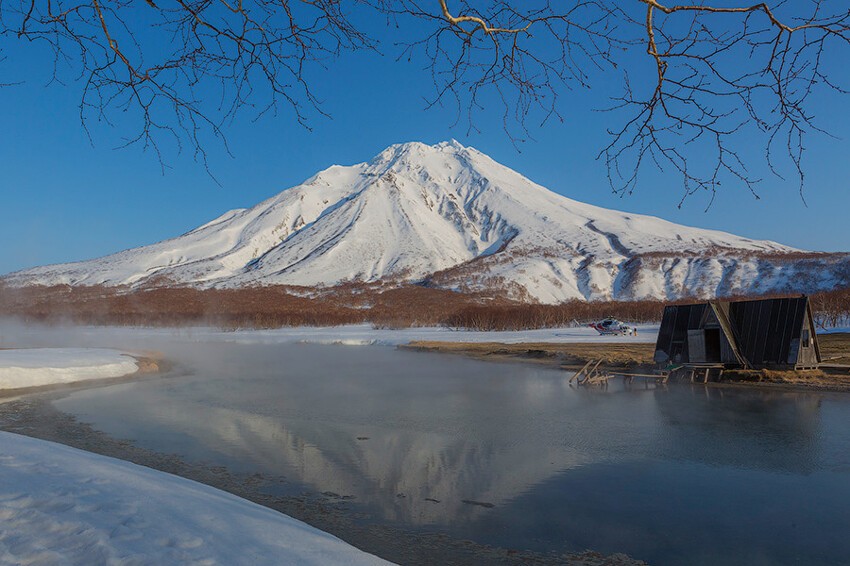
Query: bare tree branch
{"type": "Point", "coordinates": [185, 70]}
{"type": "Point", "coordinates": [724, 77]}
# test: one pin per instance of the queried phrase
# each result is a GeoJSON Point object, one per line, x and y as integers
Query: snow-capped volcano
{"type": "Point", "coordinates": [449, 216]}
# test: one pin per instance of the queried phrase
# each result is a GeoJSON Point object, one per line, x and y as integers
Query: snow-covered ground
{"type": "Point", "coordinates": [15, 335]}
{"type": "Point", "coordinates": [34, 367]}
{"type": "Point", "coordinates": [363, 334]}
{"type": "Point", "coordinates": [59, 505]}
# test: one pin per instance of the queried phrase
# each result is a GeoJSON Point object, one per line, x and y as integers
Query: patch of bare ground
{"type": "Point", "coordinates": [614, 355]}
{"type": "Point", "coordinates": [151, 362]}
{"type": "Point", "coordinates": [806, 379]}
{"type": "Point", "coordinates": [835, 348]}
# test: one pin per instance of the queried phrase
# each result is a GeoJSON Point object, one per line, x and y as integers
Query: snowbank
{"type": "Point", "coordinates": [34, 367]}
{"type": "Point", "coordinates": [17, 335]}
{"type": "Point", "coordinates": [366, 335]}
{"type": "Point", "coordinates": [59, 505]}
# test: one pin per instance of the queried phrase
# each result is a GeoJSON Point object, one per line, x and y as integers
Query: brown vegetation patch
{"type": "Point", "coordinates": [835, 348]}
{"type": "Point", "coordinates": [771, 375]}
{"type": "Point", "coordinates": [809, 379]}
{"type": "Point", "coordinates": [614, 355]}
{"type": "Point", "coordinates": [149, 364]}
{"type": "Point", "coordinates": [383, 304]}
{"type": "Point", "coordinates": [386, 306]}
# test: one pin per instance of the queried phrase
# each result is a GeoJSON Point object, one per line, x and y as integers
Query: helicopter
{"type": "Point", "coordinates": [611, 327]}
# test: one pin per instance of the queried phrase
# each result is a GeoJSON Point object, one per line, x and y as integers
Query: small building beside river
{"type": "Point", "coordinates": [758, 334]}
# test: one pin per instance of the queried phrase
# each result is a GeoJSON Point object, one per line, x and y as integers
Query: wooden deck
{"type": "Point", "coordinates": [590, 374]}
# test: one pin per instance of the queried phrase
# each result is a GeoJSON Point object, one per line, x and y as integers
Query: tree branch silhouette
{"type": "Point", "coordinates": [724, 78]}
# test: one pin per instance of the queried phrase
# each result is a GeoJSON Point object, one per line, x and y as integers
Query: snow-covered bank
{"type": "Point", "coordinates": [59, 505]}
{"type": "Point", "coordinates": [35, 367]}
{"type": "Point", "coordinates": [365, 334]}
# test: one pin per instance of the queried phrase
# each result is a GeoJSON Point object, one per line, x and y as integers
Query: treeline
{"type": "Point", "coordinates": [572, 313]}
{"type": "Point", "coordinates": [832, 308]}
{"type": "Point", "coordinates": [177, 306]}
{"type": "Point", "coordinates": [385, 307]}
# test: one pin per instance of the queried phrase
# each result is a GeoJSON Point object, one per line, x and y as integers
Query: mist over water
{"type": "Point", "coordinates": [503, 454]}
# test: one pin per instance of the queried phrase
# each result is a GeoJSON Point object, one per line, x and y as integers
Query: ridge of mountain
{"type": "Point", "coordinates": [449, 216]}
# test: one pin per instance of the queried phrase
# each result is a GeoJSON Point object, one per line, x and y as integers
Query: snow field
{"type": "Point", "coordinates": [34, 367]}
{"type": "Point", "coordinates": [59, 505]}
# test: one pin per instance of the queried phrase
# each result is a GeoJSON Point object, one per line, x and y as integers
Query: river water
{"type": "Point", "coordinates": [507, 455]}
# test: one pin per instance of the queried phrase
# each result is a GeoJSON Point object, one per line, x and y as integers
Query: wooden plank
{"type": "Point", "coordinates": [723, 318]}
{"type": "Point", "coordinates": [594, 369]}
{"type": "Point", "coordinates": [590, 374]}
{"type": "Point", "coordinates": [647, 375]}
{"type": "Point", "coordinates": [696, 345]}
{"type": "Point", "coordinates": [596, 380]}
{"type": "Point", "coordinates": [579, 372]}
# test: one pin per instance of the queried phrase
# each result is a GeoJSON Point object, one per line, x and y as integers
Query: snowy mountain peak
{"type": "Point", "coordinates": [448, 215]}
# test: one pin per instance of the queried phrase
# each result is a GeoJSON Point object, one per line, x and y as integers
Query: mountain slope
{"type": "Point", "coordinates": [450, 216]}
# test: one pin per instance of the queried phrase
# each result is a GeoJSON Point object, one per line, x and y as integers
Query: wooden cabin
{"type": "Point", "coordinates": [766, 333]}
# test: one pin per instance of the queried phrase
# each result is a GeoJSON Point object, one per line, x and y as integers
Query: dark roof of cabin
{"type": "Point", "coordinates": [762, 330]}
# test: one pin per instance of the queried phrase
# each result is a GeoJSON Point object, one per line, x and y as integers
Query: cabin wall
{"type": "Point", "coordinates": [807, 356]}
{"type": "Point", "coordinates": [672, 344]}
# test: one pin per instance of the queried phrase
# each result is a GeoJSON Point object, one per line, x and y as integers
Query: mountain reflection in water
{"type": "Point", "coordinates": [507, 454]}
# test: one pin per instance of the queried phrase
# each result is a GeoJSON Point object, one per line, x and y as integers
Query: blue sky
{"type": "Point", "coordinates": [63, 198]}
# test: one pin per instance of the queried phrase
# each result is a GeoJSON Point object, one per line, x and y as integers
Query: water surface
{"type": "Point", "coordinates": [507, 454]}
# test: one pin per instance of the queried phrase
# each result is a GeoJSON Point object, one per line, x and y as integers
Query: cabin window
{"type": "Point", "coordinates": [806, 338]}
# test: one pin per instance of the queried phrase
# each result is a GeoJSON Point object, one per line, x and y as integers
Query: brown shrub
{"type": "Point", "coordinates": [384, 305]}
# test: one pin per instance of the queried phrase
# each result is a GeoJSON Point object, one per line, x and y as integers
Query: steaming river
{"type": "Point", "coordinates": [506, 455]}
